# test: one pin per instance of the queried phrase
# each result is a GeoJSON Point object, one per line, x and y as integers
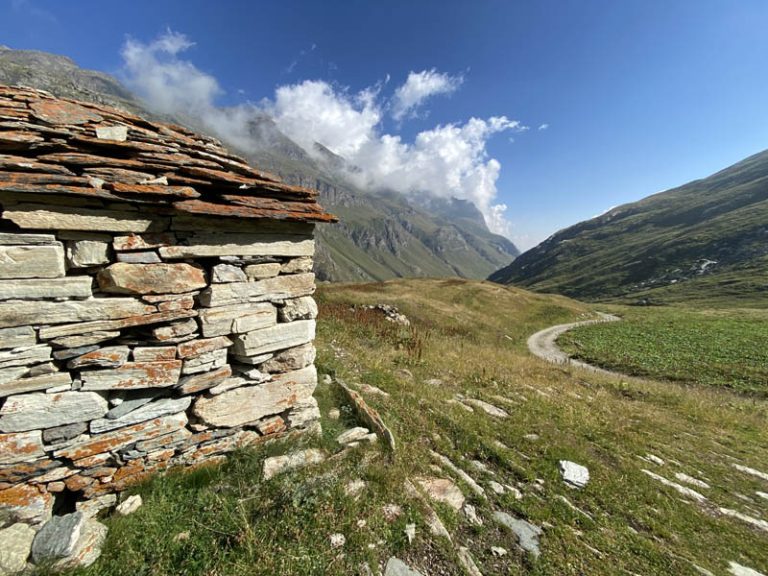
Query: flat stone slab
{"type": "Point", "coordinates": [575, 475]}
{"type": "Point", "coordinates": [237, 318]}
{"type": "Point", "coordinates": [78, 287]}
{"type": "Point", "coordinates": [277, 337]}
{"type": "Point", "coordinates": [142, 414]}
{"type": "Point", "coordinates": [41, 261]}
{"type": "Point", "coordinates": [38, 410]}
{"type": "Point", "coordinates": [126, 278]}
{"type": "Point", "coordinates": [133, 375]}
{"type": "Point", "coordinates": [251, 403]}
{"type": "Point", "coordinates": [15, 546]}
{"type": "Point", "coordinates": [527, 534]}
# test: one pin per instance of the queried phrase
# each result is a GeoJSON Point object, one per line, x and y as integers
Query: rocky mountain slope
{"type": "Point", "coordinates": [707, 239]}
{"type": "Point", "coordinates": [381, 235]}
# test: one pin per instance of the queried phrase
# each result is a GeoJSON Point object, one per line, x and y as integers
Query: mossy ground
{"type": "Point", "coordinates": [472, 337]}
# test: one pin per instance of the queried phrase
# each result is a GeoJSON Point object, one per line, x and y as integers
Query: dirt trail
{"type": "Point", "coordinates": [543, 344]}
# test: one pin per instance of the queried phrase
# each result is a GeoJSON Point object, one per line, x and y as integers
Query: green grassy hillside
{"type": "Point", "coordinates": [467, 342]}
{"type": "Point", "coordinates": [706, 240]}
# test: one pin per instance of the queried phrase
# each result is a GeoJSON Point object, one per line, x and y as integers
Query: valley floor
{"type": "Point", "coordinates": [675, 484]}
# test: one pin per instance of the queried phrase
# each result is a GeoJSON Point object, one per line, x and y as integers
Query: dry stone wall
{"type": "Point", "coordinates": [125, 352]}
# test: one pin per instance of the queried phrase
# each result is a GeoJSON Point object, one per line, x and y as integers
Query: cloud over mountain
{"type": "Point", "coordinates": [448, 160]}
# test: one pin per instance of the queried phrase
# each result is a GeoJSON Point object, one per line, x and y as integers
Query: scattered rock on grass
{"type": "Point", "coordinates": [496, 487]}
{"type": "Point", "coordinates": [443, 490]}
{"type": "Point", "coordinates": [486, 407]}
{"type": "Point", "coordinates": [691, 480]}
{"type": "Point", "coordinates": [498, 551]}
{"type": "Point", "coordinates": [129, 505]}
{"type": "Point", "coordinates": [354, 487]}
{"type": "Point", "coordinates": [391, 512]}
{"type": "Point", "coordinates": [338, 540]}
{"type": "Point", "coordinates": [352, 435]}
{"type": "Point", "coordinates": [434, 382]}
{"type": "Point", "coordinates": [531, 437]}
{"type": "Point", "coordinates": [681, 489]}
{"type": "Point", "coordinates": [334, 414]}
{"type": "Point", "coordinates": [410, 532]}
{"type": "Point", "coordinates": [573, 474]}
{"type": "Point", "coordinates": [396, 567]}
{"type": "Point", "coordinates": [277, 464]}
{"type": "Point", "coordinates": [738, 570]}
{"type": "Point", "coordinates": [751, 471]}
{"type": "Point", "coordinates": [471, 513]}
{"type": "Point", "coordinates": [368, 389]}
{"type": "Point", "coordinates": [527, 533]}
{"type": "Point", "coordinates": [326, 379]}
{"type": "Point", "coordinates": [465, 558]}
{"type": "Point", "coordinates": [15, 546]}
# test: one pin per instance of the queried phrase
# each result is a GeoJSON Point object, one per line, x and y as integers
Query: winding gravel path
{"type": "Point", "coordinates": [543, 344]}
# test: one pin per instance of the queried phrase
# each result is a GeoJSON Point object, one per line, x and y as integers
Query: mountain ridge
{"type": "Point", "coordinates": [710, 234]}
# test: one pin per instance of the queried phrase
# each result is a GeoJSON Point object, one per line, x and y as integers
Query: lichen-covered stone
{"type": "Point", "coordinates": [125, 278]}
{"type": "Point", "coordinates": [21, 447]}
{"type": "Point", "coordinates": [132, 375]}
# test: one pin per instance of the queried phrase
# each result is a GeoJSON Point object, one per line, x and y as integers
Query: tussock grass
{"type": "Point", "coordinates": [471, 336]}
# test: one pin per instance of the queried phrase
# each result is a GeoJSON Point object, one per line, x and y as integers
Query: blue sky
{"type": "Point", "coordinates": [636, 96]}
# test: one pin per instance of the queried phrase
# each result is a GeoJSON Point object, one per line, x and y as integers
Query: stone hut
{"type": "Point", "coordinates": [155, 302]}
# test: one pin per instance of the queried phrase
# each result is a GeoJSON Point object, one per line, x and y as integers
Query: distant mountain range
{"type": "Point", "coordinates": [382, 234]}
{"type": "Point", "coordinates": [706, 241]}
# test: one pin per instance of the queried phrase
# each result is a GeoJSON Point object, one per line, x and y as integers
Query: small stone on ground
{"type": "Point", "coordinates": [573, 474]}
{"type": "Point", "coordinates": [129, 505]}
{"type": "Point", "coordinates": [527, 533]}
{"type": "Point", "coordinates": [277, 464]}
{"type": "Point", "coordinates": [396, 567]}
{"type": "Point", "coordinates": [338, 540]}
{"type": "Point", "coordinates": [471, 513]}
{"type": "Point", "coordinates": [443, 490]}
{"type": "Point", "coordinates": [498, 551]}
{"type": "Point", "coordinates": [352, 435]}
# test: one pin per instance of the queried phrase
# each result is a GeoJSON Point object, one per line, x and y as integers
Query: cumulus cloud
{"type": "Point", "coordinates": [544, 126]}
{"type": "Point", "coordinates": [448, 160]}
{"type": "Point", "coordinates": [418, 88]}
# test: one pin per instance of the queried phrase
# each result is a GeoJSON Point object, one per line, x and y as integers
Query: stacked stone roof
{"type": "Point", "coordinates": [51, 146]}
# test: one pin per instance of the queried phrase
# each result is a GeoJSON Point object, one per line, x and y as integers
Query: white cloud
{"type": "Point", "coordinates": [171, 85]}
{"type": "Point", "coordinates": [448, 160]}
{"type": "Point", "coordinates": [544, 126]}
{"type": "Point", "coordinates": [418, 87]}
